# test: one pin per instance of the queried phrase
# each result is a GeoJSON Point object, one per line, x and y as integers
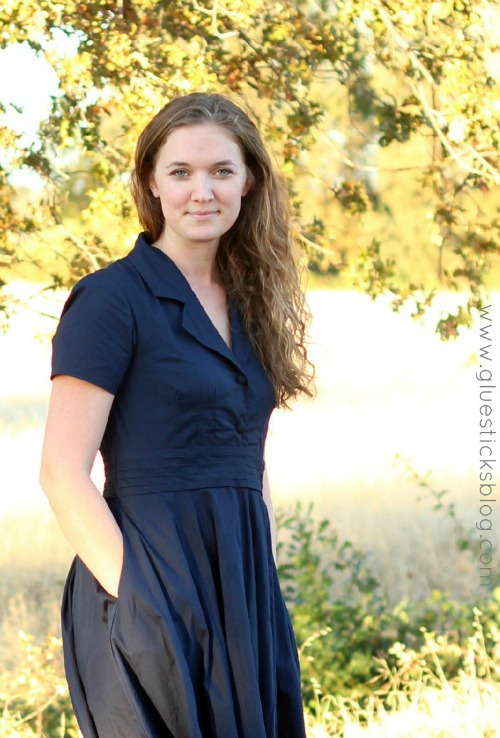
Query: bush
{"type": "Point", "coordinates": [34, 698]}
{"type": "Point", "coordinates": [343, 621]}
{"type": "Point", "coordinates": [415, 699]}
{"type": "Point", "coordinates": [339, 616]}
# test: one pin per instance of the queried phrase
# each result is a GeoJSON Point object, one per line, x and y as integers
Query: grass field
{"type": "Point", "coordinates": [386, 386]}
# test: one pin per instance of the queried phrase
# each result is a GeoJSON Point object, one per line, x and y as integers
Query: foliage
{"type": "Point", "coordinates": [415, 698]}
{"type": "Point", "coordinates": [343, 622]}
{"type": "Point", "coordinates": [333, 85]}
{"type": "Point", "coordinates": [337, 625]}
{"type": "Point", "coordinates": [34, 699]}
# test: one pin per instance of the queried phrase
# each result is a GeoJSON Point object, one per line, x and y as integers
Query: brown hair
{"type": "Point", "coordinates": [257, 258]}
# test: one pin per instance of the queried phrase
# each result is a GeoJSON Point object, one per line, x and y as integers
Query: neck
{"type": "Point", "coordinates": [196, 261]}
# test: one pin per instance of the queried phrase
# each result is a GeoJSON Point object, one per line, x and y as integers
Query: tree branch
{"type": "Point", "coordinates": [420, 94]}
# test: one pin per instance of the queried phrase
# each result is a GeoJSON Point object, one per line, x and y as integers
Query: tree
{"type": "Point", "coordinates": [341, 89]}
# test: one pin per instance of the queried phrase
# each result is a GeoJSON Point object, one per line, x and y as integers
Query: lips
{"type": "Point", "coordinates": [203, 214]}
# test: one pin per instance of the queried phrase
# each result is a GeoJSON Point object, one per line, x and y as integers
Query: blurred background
{"type": "Point", "coordinates": [384, 119]}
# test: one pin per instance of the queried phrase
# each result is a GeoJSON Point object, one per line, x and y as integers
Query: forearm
{"type": "Point", "coordinates": [89, 526]}
{"type": "Point", "coordinates": [77, 417]}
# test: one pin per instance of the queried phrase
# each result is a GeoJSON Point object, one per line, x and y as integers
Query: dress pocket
{"type": "Point", "coordinates": [109, 601]}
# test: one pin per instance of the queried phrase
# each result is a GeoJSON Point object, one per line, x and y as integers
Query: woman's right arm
{"type": "Point", "coordinates": [77, 417]}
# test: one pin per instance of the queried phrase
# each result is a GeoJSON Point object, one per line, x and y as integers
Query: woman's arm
{"type": "Point", "coordinates": [77, 417]}
{"type": "Point", "coordinates": [266, 493]}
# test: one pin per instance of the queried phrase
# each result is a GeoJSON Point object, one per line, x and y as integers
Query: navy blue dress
{"type": "Point", "coordinates": [198, 643]}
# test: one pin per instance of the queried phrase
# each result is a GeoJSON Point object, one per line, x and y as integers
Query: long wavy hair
{"type": "Point", "coordinates": [258, 259]}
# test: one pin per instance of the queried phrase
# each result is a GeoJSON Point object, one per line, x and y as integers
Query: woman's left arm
{"type": "Point", "coordinates": [266, 493]}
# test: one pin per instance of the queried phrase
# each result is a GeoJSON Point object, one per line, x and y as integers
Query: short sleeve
{"type": "Point", "coordinates": [95, 337]}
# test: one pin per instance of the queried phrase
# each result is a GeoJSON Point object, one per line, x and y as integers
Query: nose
{"type": "Point", "coordinates": [202, 189]}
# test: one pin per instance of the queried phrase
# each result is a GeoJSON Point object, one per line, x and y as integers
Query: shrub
{"type": "Point", "coordinates": [34, 699]}
{"type": "Point", "coordinates": [339, 615]}
{"type": "Point", "coordinates": [343, 621]}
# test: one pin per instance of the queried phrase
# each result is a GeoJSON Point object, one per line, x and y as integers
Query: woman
{"type": "Point", "coordinates": [170, 362]}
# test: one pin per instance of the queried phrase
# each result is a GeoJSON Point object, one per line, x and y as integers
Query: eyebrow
{"type": "Point", "coordinates": [223, 163]}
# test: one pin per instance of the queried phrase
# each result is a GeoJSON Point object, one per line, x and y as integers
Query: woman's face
{"type": "Point", "coordinates": [200, 178]}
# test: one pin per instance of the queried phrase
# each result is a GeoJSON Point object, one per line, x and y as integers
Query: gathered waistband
{"type": "Point", "coordinates": [183, 469]}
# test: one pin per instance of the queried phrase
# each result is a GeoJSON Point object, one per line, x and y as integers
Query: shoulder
{"type": "Point", "coordinates": [96, 335]}
{"type": "Point", "coordinates": [114, 285]}
{"type": "Point", "coordinates": [113, 278]}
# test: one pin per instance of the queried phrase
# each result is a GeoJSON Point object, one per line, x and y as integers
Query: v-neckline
{"type": "Point", "coordinates": [196, 299]}
{"type": "Point", "coordinates": [173, 284]}
{"type": "Point", "coordinates": [229, 316]}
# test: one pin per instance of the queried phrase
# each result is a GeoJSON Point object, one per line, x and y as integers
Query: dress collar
{"type": "Point", "coordinates": [161, 274]}
{"type": "Point", "coordinates": [165, 279]}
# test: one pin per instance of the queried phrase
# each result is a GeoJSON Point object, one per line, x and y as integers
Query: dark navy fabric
{"type": "Point", "coordinates": [198, 643]}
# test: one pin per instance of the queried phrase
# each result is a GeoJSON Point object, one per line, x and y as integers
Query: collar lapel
{"type": "Point", "coordinates": [165, 279]}
{"type": "Point", "coordinates": [196, 322]}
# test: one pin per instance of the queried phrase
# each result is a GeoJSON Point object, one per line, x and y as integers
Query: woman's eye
{"type": "Point", "coordinates": [223, 172]}
{"type": "Point", "coordinates": [178, 173]}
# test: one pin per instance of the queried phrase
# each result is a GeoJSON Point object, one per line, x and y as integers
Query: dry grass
{"type": "Point", "coordinates": [466, 708]}
{"type": "Point", "coordinates": [34, 559]}
{"type": "Point", "coordinates": [417, 700]}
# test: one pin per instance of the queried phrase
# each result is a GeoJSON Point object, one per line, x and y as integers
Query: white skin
{"type": "Point", "coordinates": [200, 178]}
